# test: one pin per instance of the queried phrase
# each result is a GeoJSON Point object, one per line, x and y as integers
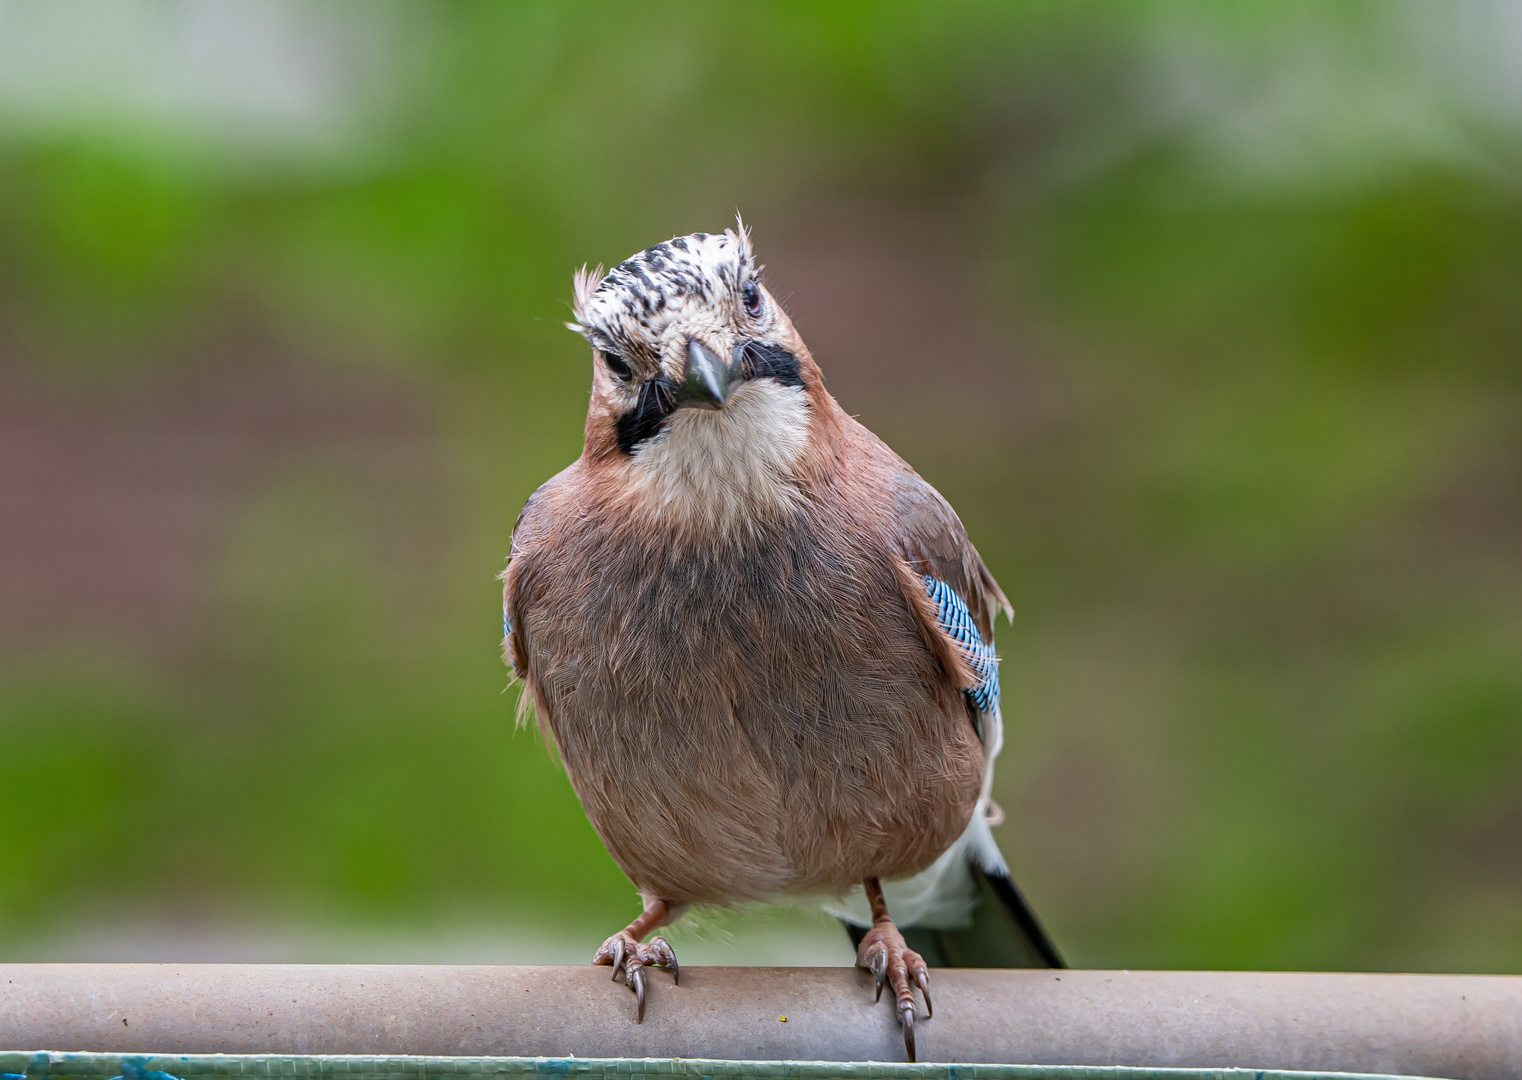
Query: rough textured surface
{"type": "Point", "coordinates": [1432, 1025]}
{"type": "Point", "coordinates": [195, 1067]}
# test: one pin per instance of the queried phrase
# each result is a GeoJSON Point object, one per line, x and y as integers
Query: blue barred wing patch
{"type": "Point", "coordinates": [956, 622]}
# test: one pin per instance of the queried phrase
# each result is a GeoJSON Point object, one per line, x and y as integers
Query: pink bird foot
{"type": "Point", "coordinates": [626, 953]}
{"type": "Point", "coordinates": [885, 954]}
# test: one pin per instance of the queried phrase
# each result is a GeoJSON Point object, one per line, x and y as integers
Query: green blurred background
{"type": "Point", "coordinates": [1206, 317]}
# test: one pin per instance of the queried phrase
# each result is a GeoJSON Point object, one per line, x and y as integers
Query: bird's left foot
{"type": "Point", "coordinates": [629, 955]}
{"type": "Point", "coordinates": [884, 953]}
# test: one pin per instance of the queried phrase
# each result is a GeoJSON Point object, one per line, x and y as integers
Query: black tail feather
{"type": "Point", "coordinates": [1005, 933]}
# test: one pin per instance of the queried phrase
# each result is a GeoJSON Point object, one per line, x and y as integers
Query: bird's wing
{"type": "Point", "coordinates": [936, 545]}
{"type": "Point", "coordinates": [963, 596]}
{"type": "Point", "coordinates": [527, 530]}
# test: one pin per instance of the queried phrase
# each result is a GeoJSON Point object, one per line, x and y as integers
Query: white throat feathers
{"type": "Point", "coordinates": [718, 471]}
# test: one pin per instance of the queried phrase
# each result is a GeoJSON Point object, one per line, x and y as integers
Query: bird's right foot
{"type": "Point", "coordinates": [884, 953]}
{"type": "Point", "coordinates": [629, 955]}
{"type": "Point", "coordinates": [888, 957]}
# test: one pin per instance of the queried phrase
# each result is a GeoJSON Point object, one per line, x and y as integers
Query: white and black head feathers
{"type": "Point", "coordinates": [643, 315]}
{"type": "Point", "coordinates": [687, 282]}
{"type": "Point", "coordinates": [700, 396]}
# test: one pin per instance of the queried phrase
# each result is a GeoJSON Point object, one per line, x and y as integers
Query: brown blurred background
{"type": "Point", "coordinates": [1206, 318]}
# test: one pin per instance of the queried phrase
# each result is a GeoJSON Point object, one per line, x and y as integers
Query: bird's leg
{"type": "Point", "coordinates": [884, 953]}
{"type": "Point", "coordinates": [628, 952]}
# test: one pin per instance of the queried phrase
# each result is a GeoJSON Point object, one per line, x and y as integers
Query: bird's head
{"type": "Point", "coordinates": [700, 385]}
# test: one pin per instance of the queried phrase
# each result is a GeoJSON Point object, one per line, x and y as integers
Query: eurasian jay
{"type": "Point", "coordinates": [761, 643]}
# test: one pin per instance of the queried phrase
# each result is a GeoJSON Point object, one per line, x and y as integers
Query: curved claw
{"type": "Point", "coordinates": [631, 958]}
{"type": "Point", "coordinates": [666, 956]}
{"type": "Point", "coordinates": [892, 963]}
{"type": "Point", "coordinates": [635, 978]}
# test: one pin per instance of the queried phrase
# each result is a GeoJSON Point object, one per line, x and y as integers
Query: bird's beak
{"type": "Point", "coordinates": [706, 379]}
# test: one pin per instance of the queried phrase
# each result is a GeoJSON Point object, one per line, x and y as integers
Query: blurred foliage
{"type": "Point", "coordinates": [1264, 688]}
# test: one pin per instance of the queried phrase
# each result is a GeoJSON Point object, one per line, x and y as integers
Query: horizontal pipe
{"type": "Point", "coordinates": [1459, 1026]}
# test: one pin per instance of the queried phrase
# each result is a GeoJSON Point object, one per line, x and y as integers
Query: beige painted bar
{"type": "Point", "coordinates": [1433, 1025]}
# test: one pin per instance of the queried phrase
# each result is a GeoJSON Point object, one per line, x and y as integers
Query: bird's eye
{"type": "Point", "coordinates": [751, 294]}
{"type": "Point", "coordinates": [617, 365]}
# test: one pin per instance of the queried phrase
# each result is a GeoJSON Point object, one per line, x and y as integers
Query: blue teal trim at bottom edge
{"type": "Point", "coordinates": [34, 1065]}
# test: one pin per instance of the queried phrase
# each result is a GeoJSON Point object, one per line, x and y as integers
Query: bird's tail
{"type": "Point", "coordinates": [1005, 932]}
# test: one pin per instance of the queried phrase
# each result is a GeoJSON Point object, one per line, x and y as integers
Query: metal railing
{"type": "Point", "coordinates": [1457, 1026]}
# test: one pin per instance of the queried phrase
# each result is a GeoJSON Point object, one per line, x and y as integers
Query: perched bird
{"type": "Point", "coordinates": [761, 643]}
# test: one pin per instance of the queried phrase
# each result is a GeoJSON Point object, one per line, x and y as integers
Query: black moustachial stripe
{"type": "Point", "coordinates": [764, 361]}
{"type": "Point", "coordinates": [657, 399]}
